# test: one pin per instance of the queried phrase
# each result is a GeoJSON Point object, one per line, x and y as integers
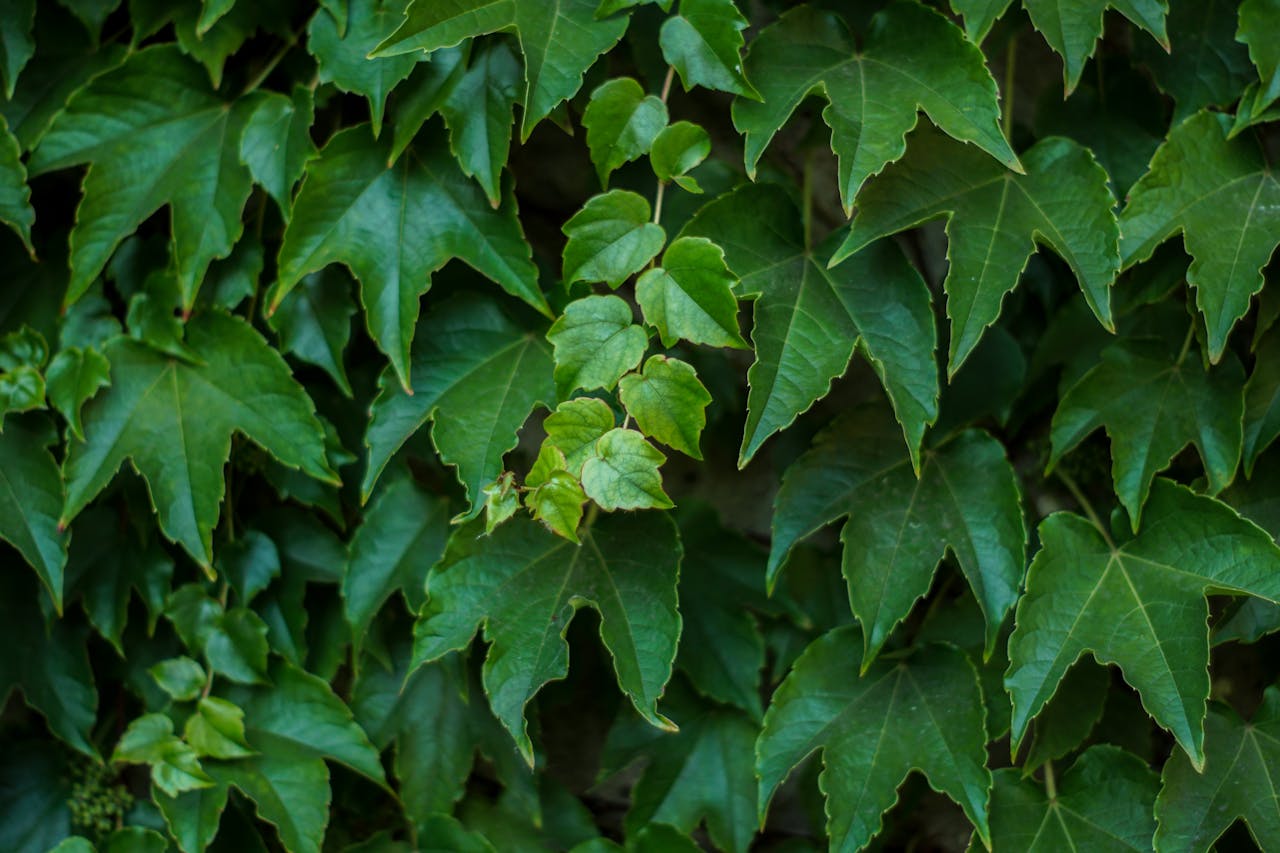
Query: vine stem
{"type": "Point", "coordinates": [657, 202]}
{"type": "Point", "coordinates": [806, 203]}
{"type": "Point", "coordinates": [1086, 505]}
{"type": "Point", "coordinates": [1186, 343]}
{"type": "Point", "coordinates": [1010, 71]}
{"type": "Point", "coordinates": [666, 83]}
{"type": "Point", "coordinates": [261, 76]}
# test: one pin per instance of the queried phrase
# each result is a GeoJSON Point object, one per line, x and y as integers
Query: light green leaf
{"type": "Point", "coordinates": [557, 502]}
{"type": "Point", "coordinates": [595, 343]}
{"type": "Point", "coordinates": [1258, 22]}
{"type": "Point", "coordinates": [276, 144]}
{"type": "Point", "coordinates": [175, 767]}
{"type": "Point", "coordinates": [1139, 605]}
{"type": "Point", "coordinates": [610, 239]}
{"type": "Point", "coordinates": [342, 53]}
{"type": "Point", "coordinates": [393, 226]}
{"type": "Point", "coordinates": [899, 528]}
{"type": "Point", "coordinates": [994, 220]}
{"type": "Point", "coordinates": [704, 44]}
{"type": "Point", "coordinates": [680, 147]}
{"type": "Point", "coordinates": [691, 295]}
{"type": "Point", "coordinates": [174, 420]}
{"type": "Point", "coordinates": [913, 59]}
{"type": "Point", "coordinates": [1153, 403]}
{"type": "Point", "coordinates": [668, 403]}
{"type": "Point", "coordinates": [575, 427]}
{"type": "Point", "coordinates": [621, 123]}
{"type": "Point", "coordinates": [15, 196]}
{"type": "Point", "coordinates": [17, 18]}
{"type": "Point", "coordinates": [523, 585]}
{"type": "Point", "coordinates": [873, 729]}
{"type": "Point", "coordinates": [808, 318]}
{"type": "Point", "coordinates": [1196, 806]}
{"type": "Point", "coordinates": [483, 375]}
{"type": "Point", "coordinates": [560, 41]}
{"type": "Point", "coordinates": [74, 376]}
{"type": "Point", "coordinates": [154, 134]}
{"type": "Point", "coordinates": [1102, 803]}
{"type": "Point", "coordinates": [216, 730]}
{"type": "Point", "coordinates": [624, 473]}
{"type": "Point", "coordinates": [31, 494]}
{"type": "Point", "coordinates": [180, 677]}
{"type": "Point", "coordinates": [1194, 176]}
{"type": "Point", "coordinates": [21, 390]}
{"type": "Point", "coordinates": [478, 114]}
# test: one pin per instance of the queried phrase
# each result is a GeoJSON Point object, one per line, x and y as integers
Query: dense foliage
{"type": "Point", "coordinates": [646, 425]}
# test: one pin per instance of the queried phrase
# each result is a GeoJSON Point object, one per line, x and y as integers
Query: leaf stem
{"type": "Point", "coordinates": [666, 83]}
{"type": "Point", "coordinates": [1010, 71]}
{"type": "Point", "coordinates": [261, 76]}
{"type": "Point", "coordinates": [657, 202]}
{"type": "Point", "coordinates": [1050, 783]}
{"type": "Point", "coordinates": [1085, 504]}
{"type": "Point", "coordinates": [1186, 343]}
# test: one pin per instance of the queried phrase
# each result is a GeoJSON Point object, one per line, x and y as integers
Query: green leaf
{"type": "Point", "coordinates": [425, 93]}
{"type": "Point", "coordinates": [342, 53]}
{"type": "Point", "coordinates": [1073, 28]}
{"type": "Point", "coordinates": [21, 390]}
{"type": "Point", "coordinates": [680, 147]}
{"type": "Point", "coordinates": [1069, 717]}
{"type": "Point", "coordinates": [624, 473]}
{"type": "Point", "coordinates": [314, 322]}
{"type": "Point", "coordinates": [110, 561]}
{"type": "Point", "coordinates": [15, 197]}
{"type": "Point", "coordinates": [402, 536]}
{"type": "Point", "coordinates": [979, 16]}
{"type": "Point", "coordinates": [175, 766]}
{"type": "Point", "coordinates": [501, 501]}
{"type": "Point", "coordinates": [276, 144]}
{"type": "Point", "coordinates": [249, 563]}
{"type": "Point", "coordinates": [668, 403]}
{"type": "Point", "coordinates": [925, 714]}
{"type": "Point", "coordinates": [523, 584]}
{"type": "Point", "coordinates": [595, 343]}
{"type": "Point", "coordinates": [478, 114]}
{"type": "Point", "coordinates": [17, 18]}
{"type": "Point", "coordinates": [900, 527]}
{"type": "Point", "coordinates": [702, 772]}
{"type": "Point", "coordinates": [1103, 803]}
{"type": "Point", "coordinates": [1210, 68]}
{"type": "Point", "coordinates": [74, 376]}
{"type": "Point", "coordinates": [1262, 401]}
{"type": "Point", "coordinates": [483, 374]}
{"type": "Point", "coordinates": [560, 41]}
{"type": "Point", "coordinates": [1153, 403]}
{"type": "Point", "coordinates": [557, 502]}
{"type": "Point", "coordinates": [1139, 605]}
{"type": "Point", "coordinates": [193, 817]}
{"type": "Point", "coordinates": [393, 226]}
{"type": "Point", "coordinates": [34, 796]}
{"type": "Point", "coordinates": [1194, 176]}
{"type": "Point", "coordinates": [691, 295]}
{"type": "Point", "coordinates": [1196, 806]}
{"type": "Point", "coordinates": [289, 788]}
{"type": "Point", "coordinates": [808, 318]}
{"type": "Point", "coordinates": [180, 677]}
{"type": "Point", "coordinates": [1258, 20]}
{"type": "Point", "coordinates": [154, 134]}
{"type": "Point", "coordinates": [174, 421]}
{"type": "Point", "coordinates": [610, 239]}
{"type": "Point", "coordinates": [703, 43]}
{"type": "Point", "coordinates": [216, 730]}
{"type": "Point", "coordinates": [913, 59]}
{"type": "Point", "coordinates": [994, 220]}
{"type": "Point", "coordinates": [575, 427]}
{"type": "Point", "coordinates": [31, 494]}
{"type": "Point", "coordinates": [621, 123]}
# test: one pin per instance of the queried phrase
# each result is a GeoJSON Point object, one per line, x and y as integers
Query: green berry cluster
{"type": "Point", "coordinates": [97, 806]}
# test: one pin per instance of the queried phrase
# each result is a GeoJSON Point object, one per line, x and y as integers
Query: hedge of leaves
{"type": "Point", "coordinates": [645, 425]}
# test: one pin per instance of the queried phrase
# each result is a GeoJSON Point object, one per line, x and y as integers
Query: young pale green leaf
{"type": "Point", "coordinates": [523, 584]}
{"type": "Point", "coordinates": [1258, 23]}
{"type": "Point", "coordinates": [1103, 803]}
{"type": "Point", "coordinates": [1153, 403]}
{"type": "Point", "coordinates": [557, 502]}
{"type": "Point", "coordinates": [873, 729]}
{"type": "Point", "coordinates": [621, 123]}
{"type": "Point", "coordinates": [31, 500]}
{"type": "Point", "coordinates": [1139, 605]}
{"type": "Point", "coordinates": [595, 343]}
{"type": "Point", "coordinates": [1195, 176]}
{"type": "Point", "coordinates": [216, 730]}
{"type": "Point", "coordinates": [550, 459]}
{"type": "Point", "coordinates": [175, 766]}
{"type": "Point", "coordinates": [668, 402]}
{"type": "Point", "coordinates": [703, 43]}
{"type": "Point", "coordinates": [1200, 64]}
{"type": "Point", "coordinates": [276, 143]}
{"type": "Point", "coordinates": [154, 134]}
{"type": "Point", "coordinates": [73, 377]}
{"type": "Point", "coordinates": [575, 427]}
{"type": "Point", "coordinates": [342, 55]}
{"type": "Point", "coordinates": [15, 196]}
{"type": "Point", "coordinates": [314, 322]}
{"type": "Point", "coordinates": [808, 318]}
{"type": "Point", "coordinates": [393, 226]}
{"type": "Point", "coordinates": [995, 218]}
{"type": "Point", "coordinates": [913, 59]}
{"type": "Point", "coordinates": [484, 374]}
{"type": "Point", "coordinates": [624, 473]}
{"type": "Point", "coordinates": [679, 148]}
{"type": "Point", "coordinates": [610, 239]}
{"type": "Point", "coordinates": [1196, 806]}
{"type": "Point", "coordinates": [174, 420]}
{"type": "Point", "coordinates": [478, 113]}
{"type": "Point", "coordinates": [180, 677]}
{"type": "Point", "coordinates": [899, 527]}
{"type": "Point", "coordinates": [560, 41]}
{"type": "Point", "coordinates": [501, 501]}
{"type": "Point", "coordinates": [703, 772]}
{"type": "Point", "coordinates": [403, 535]}
{"type": "Point", "coordinates": [691, 295]}
{"type": "Point", "coordinates": [17, 18]}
